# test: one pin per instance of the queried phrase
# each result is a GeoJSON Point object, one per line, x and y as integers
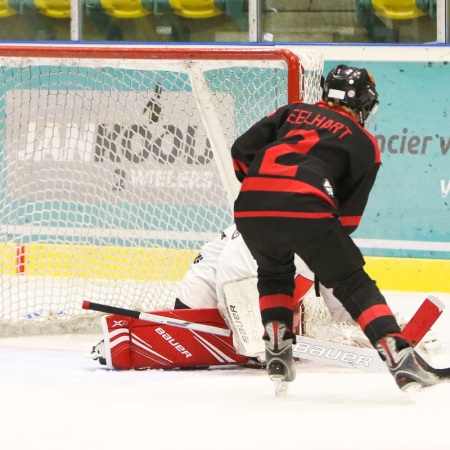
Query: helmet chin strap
{"type": "Point", "coordinates": [361, 118]}
{"type": "Point", "coordinates": [371, 117]}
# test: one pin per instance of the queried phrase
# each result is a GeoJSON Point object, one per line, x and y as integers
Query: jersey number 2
{"type": "Point", "coordinates": [307, 140]}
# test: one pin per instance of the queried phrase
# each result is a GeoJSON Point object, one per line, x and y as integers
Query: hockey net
{"type": "Point", "coordinates": [115, 169]}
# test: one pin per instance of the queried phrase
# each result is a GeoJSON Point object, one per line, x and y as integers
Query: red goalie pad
{"type": "Point", "coordinates": [138, 344]}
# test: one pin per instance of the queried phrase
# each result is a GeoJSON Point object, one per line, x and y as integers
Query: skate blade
{"type": "Point", "coordinates": [412, 388]}
{"type": "Point", "coordinates": [280, 386]}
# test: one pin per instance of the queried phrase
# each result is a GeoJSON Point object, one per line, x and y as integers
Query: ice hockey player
{"type": "Point", "coordinates": [306, 174]}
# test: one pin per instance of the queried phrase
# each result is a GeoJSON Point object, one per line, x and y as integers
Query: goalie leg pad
{"type": "Point", "coordinates": [116, 342]}
{"type": "Point", "coordinates": [239, 306]}
{"type": "Point", "coordinates": [137, 344]}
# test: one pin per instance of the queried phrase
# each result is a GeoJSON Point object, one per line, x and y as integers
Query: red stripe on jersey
{"type": "Point", "coordinates": [372, 313]}
{"type": "Point", "coordinates": [239, 166]}
{"type": "Point", "coordinates": [276, 301]}
{"type": "Point", "coordinates": [375, 146]}
{"type": "Point", "coordinates": [287, 214]}
{"type": "Point", "coordinates": [350, 221]}
{"type": "Point", "coordinates": [283, 185]}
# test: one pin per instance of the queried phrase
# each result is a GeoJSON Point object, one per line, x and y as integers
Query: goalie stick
{"type": "Point", "coordinates": [316, 349]}
{"type": "Point", "coordinates": [327, 352]}
{"type": "Point", "coordinates": [366, 358]}
{"type": "Point", "coordinates": [156, 318]}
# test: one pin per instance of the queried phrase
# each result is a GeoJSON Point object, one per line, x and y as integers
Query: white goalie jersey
{"type": "Point", "coordinates": [222, 260]}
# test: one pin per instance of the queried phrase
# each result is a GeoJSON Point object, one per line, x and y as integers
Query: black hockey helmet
{"type": "Point", "coordinates": [352, 87]}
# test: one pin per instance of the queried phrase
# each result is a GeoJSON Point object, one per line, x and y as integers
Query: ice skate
{"type": "Point", "coordinates": [280, 365]}
{"type": "Point", "coordinates": [98, 353]}
{"type": "Point", "coordinates": [401, 361]}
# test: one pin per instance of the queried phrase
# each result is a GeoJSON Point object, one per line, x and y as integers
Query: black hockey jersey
{"type": "Point", "coordinates": [306, 161]}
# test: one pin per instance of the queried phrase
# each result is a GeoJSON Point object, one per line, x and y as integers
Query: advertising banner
{"type": "Point", "coordinates": [408, 214]}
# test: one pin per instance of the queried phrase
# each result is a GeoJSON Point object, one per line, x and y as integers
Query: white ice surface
{"type": "Point", "coordinates": [54, 397]}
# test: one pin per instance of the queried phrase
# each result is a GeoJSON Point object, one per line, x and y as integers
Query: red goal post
{"type": "Point", "coordinates": [296, 70]}
{"type": "Point", "coordinates": [115, 168]}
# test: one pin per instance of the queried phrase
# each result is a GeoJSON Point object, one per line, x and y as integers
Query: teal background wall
{"type": "Point", "coordinates": [411, 198]}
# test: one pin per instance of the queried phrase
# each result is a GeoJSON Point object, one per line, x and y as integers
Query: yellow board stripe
{"type": "Point", "coordinates": [410, 274]}
{"type": "Point", "coordinates": [86, 261]}
{"type": "Point", "coordinates": [9, 258]}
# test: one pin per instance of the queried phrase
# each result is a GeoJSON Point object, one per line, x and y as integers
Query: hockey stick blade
{"type": "Point", "coordinates": [156, 318]}
{"type": "Point", "coordinates": [367, 359]}
{"type": "Point", "coordinates": [442, 373]}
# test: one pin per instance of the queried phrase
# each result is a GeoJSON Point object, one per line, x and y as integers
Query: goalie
{"type": "Point", "coordinates": [219, 289]}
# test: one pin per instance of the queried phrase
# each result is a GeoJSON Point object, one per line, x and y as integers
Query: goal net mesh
{"type": "Point", "coordinates": [115, 169]}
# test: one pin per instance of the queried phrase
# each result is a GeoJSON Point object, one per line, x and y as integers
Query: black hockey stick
{"type": "Point", "coordinates": [442, 373]}
{"type": "Point", "coordinates": [156, 318]}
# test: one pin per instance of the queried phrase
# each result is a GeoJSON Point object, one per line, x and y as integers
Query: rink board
{"type": "Point", "coordinates": [34, 259]}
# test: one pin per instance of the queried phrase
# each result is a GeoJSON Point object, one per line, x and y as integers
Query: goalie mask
{"type": "Point", "coordinates": [354, 88]}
